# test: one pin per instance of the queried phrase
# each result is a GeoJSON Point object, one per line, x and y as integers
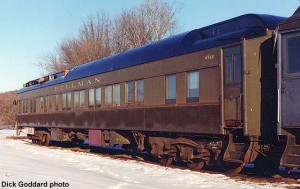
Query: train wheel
{"type": "Point", "coordinates": [196, 166]}
{"type": "Point", "coordinates": [165, 161]}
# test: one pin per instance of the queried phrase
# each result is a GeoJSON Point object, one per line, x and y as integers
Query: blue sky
{"type": "Point", "coordinates": [30, 29]}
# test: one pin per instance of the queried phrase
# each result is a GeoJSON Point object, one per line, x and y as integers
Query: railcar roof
{"type": "Point", "coordinates": [291, 22]}
{"type": "Point", "coordinates": [230, 31]}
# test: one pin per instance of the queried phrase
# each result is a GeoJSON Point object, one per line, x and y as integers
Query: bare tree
{"type": "Point", "coordinates": [93, 42]}
{"type": "Point", "coordinates": [94, 39]}
{"type": "Point", "coordinates": [129, 31]}
{"type": "Point", "coordinates": [7, 110]}
{"type": "Point", "coordinates": [52, 62]}
{"type": "Point", "coordinates": [159, 18]}
{"type": "Point", "coordinates": [99, 36]}
{"type": "Point", "coordinates": [152, 21]}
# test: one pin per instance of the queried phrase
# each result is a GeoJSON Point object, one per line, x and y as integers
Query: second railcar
{"type": "Point", "coordinates": [289, 89]}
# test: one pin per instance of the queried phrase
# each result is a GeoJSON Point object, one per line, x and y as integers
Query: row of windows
{"type": "Point", "coordinates": [134, 92]}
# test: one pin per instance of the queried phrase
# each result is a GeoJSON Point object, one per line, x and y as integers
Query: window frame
{"type": "Point", "coordinates": [110, 87]}
{"type": "Point", "coordinates": [76, 101]}
{"type": "Point", "coordinates": [233, 76]}
{"type": "Point", "coordinates": [127, 92]}
{"type": "Point", "coordinates": [188, 97]}
{"type": "Point", "coordinates": [69, 100]}
{"type": "Point", "coordinates": [64, 101]}
{"type": "Point", "coordinates": [82, 99]}
{"type": "Point", "coordinates": [233, 52]}
{"type": "Point", "coordinates": [137, 91]}
{"type": "Point", "coordinates": [285, 57]}
{"type": "Point", "coordinates": [42, 104]}
{"type": "Point", "coordinates": [168, 79]}
{"type": "Point", "coordinates": [92, 96]}
{"type": "Point", "coordinates": [57, 102]}
{"type": "Point", "coordinates": [116, 99]}
{"type": "Point", "coordinates": [19, 103]}
{"type": "Point", "coordinates": [49, 103]}
{"type": "Point", "coordinates": [100, 93]}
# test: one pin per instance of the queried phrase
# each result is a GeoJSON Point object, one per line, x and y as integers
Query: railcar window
{"type": "Point", "coordinates": [41, 104]}
{"type": "Point", "coordinates": [171, 88]}
{"type": "Point", "coordinates": [19, 107]}
{"type": "Point", "coordinates": [30, 104]}
{"type": "Point", "coordinates": [98, 96]}
{"type": "Point", "coordinates": [57, 102]}
{"type": "Point", "coordinates": [76, 99]}
{"type": "Point", "coordinates": [233, 65]}
{"type": "Point", "coordinates": [140, 90]}
{"type": "Point", "coordinates": [53, 98]}
{"type": "Point", "coordinates": [27, 106]}
{"type": "Point", "coordinates": [45, 104]}
{"type": "Point", "coordinates": [108, 95]}
{"type": "Point", "coordinates": [234, 69]}
{"type": "Point", "coordinates": [293, 48]}
{"type": "Point", "coordinates": [91, 97]}
{"type": "Point", "coordinates": [116, 92]}
{"type": "Point", "coordinates": [64, 101]}
{"type": "Point", "coordinates": [49, 103]}
{"type": "Point", "coordinates": [229, 68]}
{"type": "Point", "coordinates": [34, 105]}
{"type": "Point", "coordinates": [130, 89]}
{"type": "Point", "coordinates": [82, 98]}
{"type": "Point", "coordinates": [69, 100]}
{"type": "Point", "coordinates": [238, 68]}
{"type": "Point", "coordinates": [193, 84]}
{"type": "Point", "coordinates": [24, 106]}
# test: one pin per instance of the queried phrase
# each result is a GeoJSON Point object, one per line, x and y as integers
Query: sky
{"type": "Point", "coordinates": [32, 28]}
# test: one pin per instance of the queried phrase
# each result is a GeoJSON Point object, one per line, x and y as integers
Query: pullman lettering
{"type": "Point", "coordinates": [77, 84]}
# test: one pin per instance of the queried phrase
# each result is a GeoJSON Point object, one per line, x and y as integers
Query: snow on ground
{"type": "Point", "coordinates": [20, 161]}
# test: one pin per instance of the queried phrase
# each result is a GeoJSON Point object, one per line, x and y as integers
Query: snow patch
{"type": "Point", "coordinates": [20, 161]}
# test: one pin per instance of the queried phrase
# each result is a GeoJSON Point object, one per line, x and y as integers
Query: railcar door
{"type": "Point", "coordinates": [290, 83]}
{"type": "Point", "coordinates": [233, 86]}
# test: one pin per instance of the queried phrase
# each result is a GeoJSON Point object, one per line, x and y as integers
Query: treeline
{"type": "Point", "coordinates": [7, 110]}
{"type": "Point", "coordinates": [102, 35]}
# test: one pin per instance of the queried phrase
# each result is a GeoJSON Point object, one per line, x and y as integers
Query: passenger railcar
{"type": "Point", "coordinates": [289, 88]}
{"type": "Point", "coordinates": [202, 97]}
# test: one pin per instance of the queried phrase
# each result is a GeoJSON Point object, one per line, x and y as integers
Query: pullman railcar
{"type": "Point", "coordinates": [204, 97]}
{"type": "Point", "coordinates": [289, 89]}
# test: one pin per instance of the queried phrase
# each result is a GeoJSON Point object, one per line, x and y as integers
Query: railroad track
{"type": "Point", "coordinates": [247, 174]}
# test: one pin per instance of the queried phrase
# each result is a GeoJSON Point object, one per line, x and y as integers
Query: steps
{"type": "Point", "coordinates": [293, 158]}
{"type": "Point", "coordinates": [291, 155]}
